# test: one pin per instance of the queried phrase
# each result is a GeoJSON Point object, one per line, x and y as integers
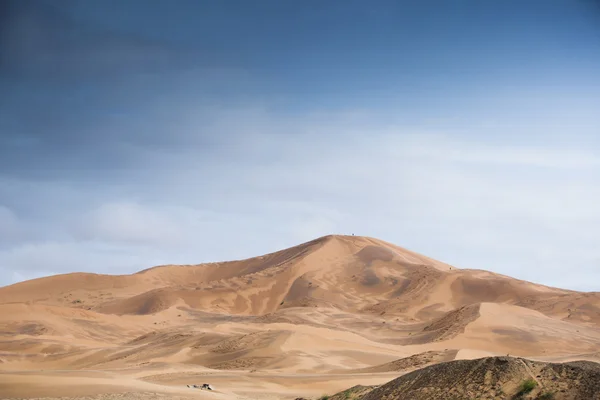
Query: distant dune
{"type": "Point", "coordinates": [313, 319]}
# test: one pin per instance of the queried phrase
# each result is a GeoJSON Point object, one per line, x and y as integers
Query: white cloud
{"type": "Point", "coordinates": [442, 149]}
{"type": "Point", "coordinates": [130, 222]}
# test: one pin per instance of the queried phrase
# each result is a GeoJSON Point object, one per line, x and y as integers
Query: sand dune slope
{"type": "Point", "coordinates": [302, 321]}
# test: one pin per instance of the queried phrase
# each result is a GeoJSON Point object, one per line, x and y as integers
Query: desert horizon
{"type": "Point", "coordinates": [323, 237]}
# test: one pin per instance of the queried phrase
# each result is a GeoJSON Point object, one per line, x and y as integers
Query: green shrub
{"type": "Point", "coordinates": [527, 386]}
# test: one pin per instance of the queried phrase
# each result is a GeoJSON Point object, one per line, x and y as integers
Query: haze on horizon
{"type": "Point", "coordinates": [138, 133]}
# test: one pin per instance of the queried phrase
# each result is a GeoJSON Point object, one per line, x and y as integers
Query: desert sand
{"type": "Point", "coordinates": [314, 319]}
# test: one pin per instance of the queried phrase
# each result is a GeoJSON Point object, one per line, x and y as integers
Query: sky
{"type": "Point", "coordinates": [136, 133]}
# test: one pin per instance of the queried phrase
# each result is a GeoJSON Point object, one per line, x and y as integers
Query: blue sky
{"type": "Point", "coordinates": [138, 133]}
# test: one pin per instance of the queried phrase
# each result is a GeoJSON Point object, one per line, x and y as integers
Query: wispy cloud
{"type": "Point", "coordinates": [436, 147]}
{"type": "Point", "coordinates": [282, 181]}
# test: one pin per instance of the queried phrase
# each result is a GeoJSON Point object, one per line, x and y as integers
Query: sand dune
{"type": "Point", "coordinates": [312, 319]}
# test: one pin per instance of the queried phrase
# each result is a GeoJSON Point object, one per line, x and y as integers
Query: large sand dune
{"type": "Point", "coordinates": [312, 319]}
